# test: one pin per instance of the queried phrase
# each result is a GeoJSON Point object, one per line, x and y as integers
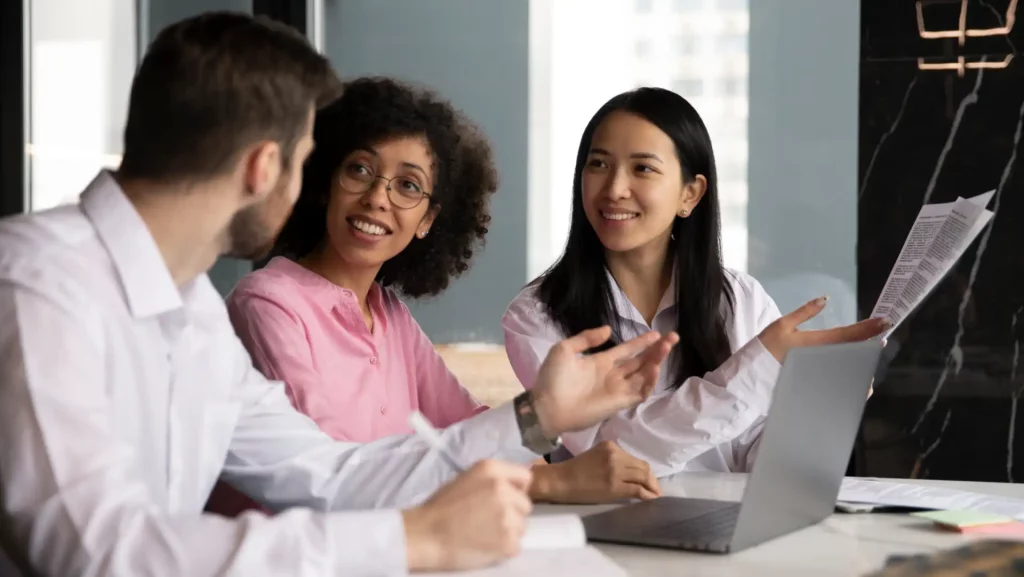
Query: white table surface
{"type": "Point", "coordinates": [844, 545]}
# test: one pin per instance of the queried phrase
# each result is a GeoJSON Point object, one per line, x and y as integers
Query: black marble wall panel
{"type": "Point", "coordinates": [942, 118]}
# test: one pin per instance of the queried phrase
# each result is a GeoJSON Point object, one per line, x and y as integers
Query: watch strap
{"type": "Point", "coordinates": [529, 426]}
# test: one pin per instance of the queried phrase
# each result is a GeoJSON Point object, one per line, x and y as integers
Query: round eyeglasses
{"type": "Point", "coordinates": [403, 191]}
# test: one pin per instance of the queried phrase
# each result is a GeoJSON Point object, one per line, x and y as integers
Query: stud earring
{"type": "Point", "coordinates": [422, 234]}
{"type": "Point", "coordinates": [684, 213]}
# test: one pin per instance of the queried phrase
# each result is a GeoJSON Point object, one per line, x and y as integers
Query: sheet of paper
{"type": "Point", "coordinates": [553, 545]}
{"type": "Point", "coordinates": [924, 231]}
{"type": "Point", "coordinates": [856, 490]}
{"type": "Point", "coordinates": [575, 562]}
{"type": "Point", "coordinates": [940, 235]}
{"type": "Point", "coordinates": [982, 199]}
{"type": "Point", "coordinates": [960, 228]}
{"type": "Point", "coordinates": [553, 532]}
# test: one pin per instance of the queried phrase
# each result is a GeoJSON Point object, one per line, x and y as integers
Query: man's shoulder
{"type": "Point", "coordinates": [61, 231]}
{"type": "Point", "coordinates": [52, 249]}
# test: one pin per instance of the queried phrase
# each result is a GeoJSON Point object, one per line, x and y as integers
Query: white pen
{"type": "Point", "coordinates": [428, 433]}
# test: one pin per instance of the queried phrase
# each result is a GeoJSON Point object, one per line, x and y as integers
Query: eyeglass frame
{"type": "Point", "coordinates": [387, 189]}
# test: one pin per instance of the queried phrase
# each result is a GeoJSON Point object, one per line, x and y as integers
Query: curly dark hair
{"type": "Point", "coordinates": [373, 110]}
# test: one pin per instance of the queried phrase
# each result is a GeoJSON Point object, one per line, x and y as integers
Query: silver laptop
{"type": "Point", "coordinates": [805, 449]}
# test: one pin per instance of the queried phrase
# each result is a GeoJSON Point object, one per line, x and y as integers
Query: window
{"type": "Point", "coordinates": [734, 86]}
{"type": "Point", "coordinates": [689, 87]}
{"type": "Point", "coordinates": [733, 211]}
{"type": "Point", "coordinates": [732, 44]}
{"type": "Point", "coordinates": [687, 5]}
{"type": "Point", "coordinates": [82, 58]}
{"type": "Point", "coordinates": [643, 48]}
{"type": "Point", "coordinates": [730, 167]}
{"type": "Point", "coordinates": [685, 44]}
{"type": "Point", "coordinates": [735, 23]}
{"type": "Point", "coordinates": [731, 4]}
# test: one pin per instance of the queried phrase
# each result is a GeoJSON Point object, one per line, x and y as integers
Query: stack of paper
{"type": "Point", "coordinates": [890, 494]}
{"type": "Point", "coordinates": [940, 235]}
{"type": "Point", "coordinates": [553, 545]}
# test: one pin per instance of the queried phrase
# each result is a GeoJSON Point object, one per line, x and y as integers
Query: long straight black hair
{"type": "Point", "coordinates": [576, 291]}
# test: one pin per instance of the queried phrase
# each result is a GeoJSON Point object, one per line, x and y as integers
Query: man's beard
{"type": "Point", "coordinates": [252, 231]}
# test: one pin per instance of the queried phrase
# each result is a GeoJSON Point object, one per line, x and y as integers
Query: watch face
{"type": "Point", "coordinates": [529, 428]}
{"type": "Point", "coordinates": [523, 406]}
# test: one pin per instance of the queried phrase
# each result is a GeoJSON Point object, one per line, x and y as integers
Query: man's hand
{"type": "Point", "coordinates": [784, 334]}
{"type": "Point", "coordinates": [476, 520]}
{"type": "Point", "coordinates": [603, 474]}
{"type": "Point", "coordinates": [574, 391]}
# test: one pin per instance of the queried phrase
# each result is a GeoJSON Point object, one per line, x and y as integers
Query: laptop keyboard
{"type": "Point", "coordinates": [693, 524]}
{"type": "Point", "coordinates": [703, 527]}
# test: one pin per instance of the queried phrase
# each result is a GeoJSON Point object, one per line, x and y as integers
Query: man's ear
{"type": "Point", "coordinates": [262, 168]}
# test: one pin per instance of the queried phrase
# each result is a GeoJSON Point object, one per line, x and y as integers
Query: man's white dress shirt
{"type": "Point", "coordinates": [711, 423]}
{"type": "Point", "coordinates": [123, 398]}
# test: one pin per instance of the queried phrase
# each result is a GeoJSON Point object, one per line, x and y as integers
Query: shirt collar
{"type": "Point", "coordinates": [627, 311]}
{"type": "Point", "coordinates": [145, 279]}
{"type": "Point", "coordinates": [328, 295]}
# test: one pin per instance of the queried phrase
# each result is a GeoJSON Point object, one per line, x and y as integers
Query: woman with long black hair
{"type": "Point", "coordinates": [644, 254]}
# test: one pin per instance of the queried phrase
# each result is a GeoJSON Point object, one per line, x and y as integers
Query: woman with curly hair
{"type": "Point", "coordinates": [395, 198]}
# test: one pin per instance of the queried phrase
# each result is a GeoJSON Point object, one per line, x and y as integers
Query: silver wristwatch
{"type": "Point", "coordinates": [529, 426]}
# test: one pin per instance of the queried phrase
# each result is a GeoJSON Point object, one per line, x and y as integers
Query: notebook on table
{"type": "Point", "coordinates": [552, 545]}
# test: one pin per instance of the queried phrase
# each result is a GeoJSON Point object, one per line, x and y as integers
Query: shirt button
{"type": "Point", "coordinates": [373, 361]}
{"type": "Point", "coordinates": [382, 410]}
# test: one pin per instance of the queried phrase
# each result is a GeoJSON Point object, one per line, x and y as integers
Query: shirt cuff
{"type": "Point", "coordinates": [751, 374]}
{"type": "Point", "coordinates": [367, 543]}
{"type": "Point", "coordinates": [493, 434]}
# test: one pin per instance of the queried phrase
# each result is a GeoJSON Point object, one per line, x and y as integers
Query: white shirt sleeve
{"type": "Point", "coordinates": [281, 458]}
{"type": "Point", "coordinates": [673, 426]}
{"type": "Point", "coordinates": [746, 447]}
{"type": "Point", "coordinates": [73, 502]}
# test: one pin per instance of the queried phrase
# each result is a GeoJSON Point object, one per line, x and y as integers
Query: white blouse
{"type": "Point", "coordinates": [710, 423]}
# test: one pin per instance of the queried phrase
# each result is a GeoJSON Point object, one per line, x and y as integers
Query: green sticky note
{"type": "Point", "coordinates": [963, 518]}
